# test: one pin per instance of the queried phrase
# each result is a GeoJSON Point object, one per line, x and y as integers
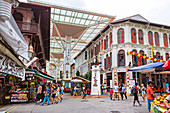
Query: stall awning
{"type": "Point", "coordinates": [147, 68]}
{"type": "Point", "coordinates": [80, 78]}
{"type": "Point", "coordinates": [39, 74]}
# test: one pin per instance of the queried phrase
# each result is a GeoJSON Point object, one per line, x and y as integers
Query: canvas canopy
{"type": "Point", "coordinates": [147, 68]}
{"type": "Point", "coordinates": [12, 35]}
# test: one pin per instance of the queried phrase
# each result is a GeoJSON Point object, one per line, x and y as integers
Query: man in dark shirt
{"type": "Point", "coordinates": [136, 95]}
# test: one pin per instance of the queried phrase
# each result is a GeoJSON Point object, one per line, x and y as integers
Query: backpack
{"type": "Point", "coordinates": [133, 91]}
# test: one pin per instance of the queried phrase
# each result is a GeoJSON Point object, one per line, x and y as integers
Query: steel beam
{"type": "Point", "coordinates": [79, 38]}
{"type": "Point", "coordinates": [59, 35]}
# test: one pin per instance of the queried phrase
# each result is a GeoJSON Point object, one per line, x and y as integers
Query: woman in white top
{"type": "Point", "coordinates": [74, 92]}
{"type": "Point", "coordinates": [58, 94]}
{"type": "Point", "coordinates": [116, 90]}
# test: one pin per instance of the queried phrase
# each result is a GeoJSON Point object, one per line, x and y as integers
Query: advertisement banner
{"type": "Point", "coordinates": [8, 66]}
{"type": "Point", "coordinates": [131, 82]}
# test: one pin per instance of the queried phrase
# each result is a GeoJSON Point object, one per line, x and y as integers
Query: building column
{"type": "Point", "coordinates": [164, 76]}
{"type": "Point", "coordinates": [137, 38]}
{"type": "Point", "coordinates": [150, 77]}
{"type": "Point", "coordinates": [67, 57]}
{"type": "Point", "coordinates": [114, 59]}
{"type": "Point", "coordinates": [127, 34]}
{"type": "Point", "coordinates": [128, 58]}
{"type": "Point", "coordinates": [145, 37]}
{"type": "Point", "coordinates": [161, 42]}
{"type": "Point", "coordinates": [114, 35]}
{"type": "Point", "coordinates": [155, 79]}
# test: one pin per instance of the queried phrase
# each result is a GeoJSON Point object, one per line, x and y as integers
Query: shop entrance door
{"type": "Point", "coordinates": [121, 78]}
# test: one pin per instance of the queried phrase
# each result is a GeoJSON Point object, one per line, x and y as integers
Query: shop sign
{"type": "Point", "coordinates": [10, 67]}
{"type": "Point", "coordinates": [131, 82]}
{"type": "Point", "coordinates": [121, 70]}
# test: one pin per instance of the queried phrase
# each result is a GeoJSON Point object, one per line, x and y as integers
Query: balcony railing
{"type": "Point", "coordinates": [27, 27]}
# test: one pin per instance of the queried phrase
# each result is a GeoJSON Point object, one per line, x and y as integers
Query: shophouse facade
{"type": "Point", "coordinates": [111, 45]}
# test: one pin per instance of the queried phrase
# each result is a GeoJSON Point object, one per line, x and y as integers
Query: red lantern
{"type": "Point", "coordinates": [152, 58]}
{"type": "Point", "coordinates": [147, 57]}
{"type": "Point", "coordinates": [131, 52]}
{"type": "Point", "coordinates": [163, 61]}
{"type": "Point", "coordinates": [136, 54]}
{"type": "Point", "coordinates": [141, 56]}
{"type": "Point", "coordinates": [158, 60]}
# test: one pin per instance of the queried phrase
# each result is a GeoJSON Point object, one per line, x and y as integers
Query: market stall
{"type": "Point", "coordinates": [157, 105]}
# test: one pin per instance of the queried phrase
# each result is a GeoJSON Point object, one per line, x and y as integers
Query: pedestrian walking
{"type": "Point", "coordinates": [61, 92]}
{"type": "Point", "coordinates": [84, 92]}
{"type": "Point", "coordinates": [136, 95]}
{"type": "Point", "coordinates": [167, 87]}
{"type": "Point", "coordinates": [39, 92]}
{"type": "Point", "coordinates": [75, 91]}
{"type": "Point", "coordinates": [143, 92]}
{"type": "Point", "coordinates": [102, 88]}
{"type": "Point", "coordinates": [150, 95]}
{"type": "Point", "coordinates": [54, 91]}
{"type": "Point", "coordinates": [116, 90]}
{"type": "Point", "coordinates": [111, 93]}
{"type": "Point", "coordinates": [57, 96]}
{"type": "Point", "coordinates": [47, 93]}
{"type": "Point", "coordinates": [123, 92]}
{"type": "Point", "coordinates": [120, 89]}
{"type": "Point", "coordinates": [166, 101]}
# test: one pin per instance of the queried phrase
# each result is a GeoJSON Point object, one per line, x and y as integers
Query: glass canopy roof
{"type": "Point", "coordinates": [83, 25]}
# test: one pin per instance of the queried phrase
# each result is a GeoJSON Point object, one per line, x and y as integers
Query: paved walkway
{"type": "Point", "coordinates": [77, 105]}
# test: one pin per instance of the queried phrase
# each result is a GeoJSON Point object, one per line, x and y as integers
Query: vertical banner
{"type": "Point", "coordinates": [150, 53]}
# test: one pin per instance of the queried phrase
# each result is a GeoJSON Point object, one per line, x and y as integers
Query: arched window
{"type": "Point", "coordinates": [92, 53]}
{"type": "Point", "coordinates": [107, 42]}
{"type": "Point", "coordinates": [111, 59]}
{"type": "Point", "coordinates": [140, 36]}
{"type": "Point", "coordinates": [102, 44]}
{"type": "Point", "coordinates": [156, 38]}
{"type": "Point", "coordinates": [167, 56]}
{"type": "Point", "coordinates": [165, 40]}
{"type": "Point", "coordinates": [120, 36]}
{"type": "Point", "coordinates": [121, 58]}
{"type": "Point", "coordinates": [150, 38]}
{"type": "Point", "coordinates": [99, 47]}
{"type": "Point", "coordinates": [18, 16]}
{"type": "Point", "coordinates": [158, 56]}
{"type": "Point", "coordinates": [134, 59]}
{"type": "Point", "coordinates": [133, 35]}
{"type": "Point", "coordinates": [110, 38]}
{"type": "Point", "coordinates": [141, 60]}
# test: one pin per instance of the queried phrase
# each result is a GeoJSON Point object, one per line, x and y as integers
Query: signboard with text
{"type": "Point", "coordinates": [10, 67]}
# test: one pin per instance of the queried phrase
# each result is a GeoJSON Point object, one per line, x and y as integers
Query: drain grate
{"type": "Point", "coordinates": [115, 111]}
{"type": "Point", "coordinates": [84, 100]}
{"type": "Point", "coordinates": [102, 101]}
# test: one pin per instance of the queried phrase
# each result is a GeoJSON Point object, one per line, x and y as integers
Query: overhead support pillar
{"type": "Point", "coordinates": [67, 57]}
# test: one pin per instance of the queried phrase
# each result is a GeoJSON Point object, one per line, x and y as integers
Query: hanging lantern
{"type": "Point", "coordinates": [128, 52]}
{"type": "Point", "coordinates": [152, 58]}
{"type": "Point", "coordinates": [141, 56]}
{"type": "Point", "coordinates": [163, 61]}
{"type": "Point", "coordinates": [144, 57]}
{"type": "Point", "coordinates": [155, 59]}
{"type": "Point", "coordinates": [160, 60]}
{"type": "Point", "coordinates": [138, 55]}
{"type": "Point", "coordinates": [133, 53]}
{"type": "Point", "coordinates": [149, 58]}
